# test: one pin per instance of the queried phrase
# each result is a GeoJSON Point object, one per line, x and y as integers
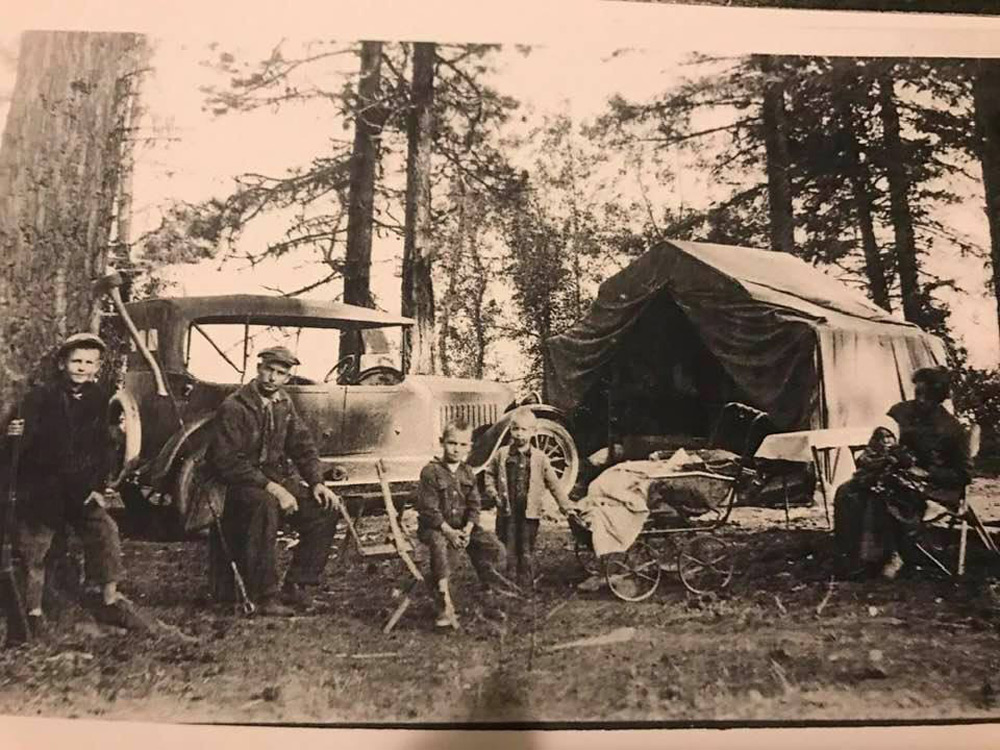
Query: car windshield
{"type": "Point", "coordinates": [227, 352]}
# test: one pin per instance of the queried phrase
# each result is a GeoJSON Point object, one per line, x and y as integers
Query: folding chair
{"type": "Point", "coordinates": [965, 515]}
{"type": "Point", "coordinates": [399, 546]}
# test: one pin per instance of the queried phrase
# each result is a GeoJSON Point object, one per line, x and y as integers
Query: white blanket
{"type": "Point", "coordinates": [615, 507]}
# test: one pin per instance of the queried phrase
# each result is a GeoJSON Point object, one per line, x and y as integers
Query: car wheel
{"type": "Point", "coordinates": [192, 489]}
{"type": "Point", "coordinates": [555, 442]}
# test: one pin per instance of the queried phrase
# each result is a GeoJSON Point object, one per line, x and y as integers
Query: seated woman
{"type": "Point", "coordinates": [878, 512]}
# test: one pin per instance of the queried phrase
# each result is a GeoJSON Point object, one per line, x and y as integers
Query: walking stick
{"type": "Point", "coordinates": [10, 596]}
{"type": "Point", "coordinates": [246, 604]}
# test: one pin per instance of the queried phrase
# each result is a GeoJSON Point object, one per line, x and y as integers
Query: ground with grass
{"type": "Point", "coordinates": [780, 643]}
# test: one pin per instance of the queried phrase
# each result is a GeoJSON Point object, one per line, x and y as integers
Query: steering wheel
{"type": "Point", "coordinates": [379, 375]}
{"type": "Point", "coordinates": [344, 363]}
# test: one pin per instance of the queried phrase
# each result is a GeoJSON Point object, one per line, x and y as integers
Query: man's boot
{"type": "Point", "coordinates": [298, 596]}
{"type": "Point", "coordinates": [447, 618]}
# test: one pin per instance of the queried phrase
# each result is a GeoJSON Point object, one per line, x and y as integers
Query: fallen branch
{"type": "Point", "coordinates": [781, 607]}
{"type": "Point", "coordinates": [826, 598]}
{"type": "Point", "coordinates": [619, 635]}
{"type": "Point", "coordinates": [779, 672]}
{"type": "Point", "coordinates": [555, 609]}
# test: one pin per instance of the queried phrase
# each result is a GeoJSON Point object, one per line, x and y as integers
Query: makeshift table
{"type": "Point", "coordinates": [820, 447]}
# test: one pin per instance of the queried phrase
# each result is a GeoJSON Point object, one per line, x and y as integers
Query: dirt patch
{"type": "Point", "coordinates": [917, 649]}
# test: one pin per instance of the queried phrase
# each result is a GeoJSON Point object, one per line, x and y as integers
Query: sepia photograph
{"type": "Point", "coordinates": [588, 365]}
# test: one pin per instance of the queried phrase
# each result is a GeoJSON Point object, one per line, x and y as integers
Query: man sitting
{"type": "Point", "coordinates": [257, 432]}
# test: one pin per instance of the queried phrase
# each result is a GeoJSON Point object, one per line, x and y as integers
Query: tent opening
{"type": "Point", "coordinates": [661, 385]}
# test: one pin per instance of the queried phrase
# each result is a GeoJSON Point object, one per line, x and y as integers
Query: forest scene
{"type": "Point", "coordinates": [483, 193]}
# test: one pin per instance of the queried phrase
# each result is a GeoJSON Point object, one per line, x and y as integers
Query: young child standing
{"type": "Point", "coordinates": [516, 479]}
{"type": "Point", "coordinates": [62, 472]}
{"type": "Point", "coordinates": [448, 504]}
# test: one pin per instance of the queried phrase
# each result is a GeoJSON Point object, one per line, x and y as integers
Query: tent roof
{"type": "Point", "coordinates": [784, 280]}
{"type": "Point", "coordinates": [760, 313]}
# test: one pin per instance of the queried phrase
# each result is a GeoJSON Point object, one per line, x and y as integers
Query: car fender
{"type": "Point", "coordinates": [486, 443]}
{"type": "Point", "coordinates": [163, 464]}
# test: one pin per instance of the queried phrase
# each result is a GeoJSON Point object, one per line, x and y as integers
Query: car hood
{"type": "Point", "coordinates": [464, 387]}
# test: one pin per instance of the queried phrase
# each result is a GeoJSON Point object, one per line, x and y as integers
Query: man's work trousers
{"type": "Point", "coordinates": [250, 521]}
{"type": "Point", "coordinates": [102, 555]}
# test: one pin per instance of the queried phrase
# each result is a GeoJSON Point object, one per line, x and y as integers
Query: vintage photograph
{"type": "Point", "coordinates": [571, 379]}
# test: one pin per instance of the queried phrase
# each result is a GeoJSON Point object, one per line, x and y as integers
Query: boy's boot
{"type": "Point", "coordinates": [491, 606]}
{"type": "Point", "coordinates": [446, 608]}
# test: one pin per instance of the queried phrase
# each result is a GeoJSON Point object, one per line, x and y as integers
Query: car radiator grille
{"type": "Point", "coordinates": [474, 414]}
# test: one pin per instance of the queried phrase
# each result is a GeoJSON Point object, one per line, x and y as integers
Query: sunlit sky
{"type": "Point", "coordinates": [571, 69]}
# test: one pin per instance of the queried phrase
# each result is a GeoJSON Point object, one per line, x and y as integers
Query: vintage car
{"type": "Point", "coordinates": [360, 408]}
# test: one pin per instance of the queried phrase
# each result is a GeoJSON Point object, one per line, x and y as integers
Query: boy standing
{"type": "Point", "coordinates": [516, 479]}
{"type": "Point", "coordinates": [448, 506]}
{"type": "Point", "coordinates": [61, 480]}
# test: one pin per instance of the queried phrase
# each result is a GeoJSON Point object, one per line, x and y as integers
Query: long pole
{"type": "Point", "coordinates": [10, 596]}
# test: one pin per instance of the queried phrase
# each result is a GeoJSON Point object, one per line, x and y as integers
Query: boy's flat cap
{"type": "Point", "coordinates": [82, 341]}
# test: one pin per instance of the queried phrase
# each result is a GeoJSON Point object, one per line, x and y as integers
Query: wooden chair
{"type": "Point", "coordinates": [398, 546]}
{"type": "Point", "coordinates": [964, 516]}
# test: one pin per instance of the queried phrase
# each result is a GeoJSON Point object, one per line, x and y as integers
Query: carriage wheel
{"type": "Point", "coordinates": [586, 558]}
{"type": "Point", "coordinates": [633, 575]}
{"type": "Point", "coordinates": [705, 564]}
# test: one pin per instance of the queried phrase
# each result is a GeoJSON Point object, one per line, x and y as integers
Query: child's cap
{"type": "Point", "coordinates": [82, 341]}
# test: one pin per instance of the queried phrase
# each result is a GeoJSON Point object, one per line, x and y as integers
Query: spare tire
{"type": "Point", "coordinates": [125, 426]}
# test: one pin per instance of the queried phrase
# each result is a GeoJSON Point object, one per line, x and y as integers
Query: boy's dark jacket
{"type": "Point", "coordinates": [238, 454]}
{"type": "Point", "coordinates": [444, 497]}
{"type": "Point", "coordinates": [65, 450]}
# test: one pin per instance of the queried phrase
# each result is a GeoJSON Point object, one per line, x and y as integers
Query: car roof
{"type": "Point", "coordinates": [267, 310]}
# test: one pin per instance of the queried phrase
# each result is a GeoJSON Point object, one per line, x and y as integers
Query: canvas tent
{"type": "Point", "coordinates": [688, 326]}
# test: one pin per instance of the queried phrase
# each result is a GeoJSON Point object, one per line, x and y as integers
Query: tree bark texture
{"type": "Point", "coordinates": [779, 188]}
{"type": "Point", "coordinates": [907, 265]}
{"type": "Point", "coordinates": [369, 120]}
{"type": "Point", "coordinates": [60, 170]}
{"type": "Point", "coordinates": [986, 92]}
{"type": "Point", "coordinates": [418, 288]}
{"type": "Point", "coordinates": [860, 178]}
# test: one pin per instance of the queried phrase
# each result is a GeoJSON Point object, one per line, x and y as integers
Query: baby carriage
{"type": "Point", "coordinates": [683, 511]}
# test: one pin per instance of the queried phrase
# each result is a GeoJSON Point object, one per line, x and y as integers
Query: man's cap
{"type": "Point", "coordinates": [82, 341]}
{"type": "Point", "coordinates": [279, 354]}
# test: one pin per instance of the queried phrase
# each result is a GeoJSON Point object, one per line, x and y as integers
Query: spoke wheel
{"type": "Point", "coordinates": [705, 564]}
{"type": "Point", "coordinates": [633, 575]}
{"type": "Point", "coordinates": [554, 440]}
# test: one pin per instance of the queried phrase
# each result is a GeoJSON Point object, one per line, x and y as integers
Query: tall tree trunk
{"type": "Point", "coordinates": [418, 287]}
{"type": "Point", "coordinates": [60, 161]}
{"type": "Point", "coordinates": [899, 200]}
{"type": "Point", "coordinates": [779, 187]}
{"type": "Point", "coordinates": [454, 252]}
{"type": "Point", "coordinates": [480, 281]}
{"type": "Point", "coordinates": [369, 120]}
{"type": "Point", "coordinates": [986, 93]}
{"type": "Point", "coordinates": [860, 179]}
